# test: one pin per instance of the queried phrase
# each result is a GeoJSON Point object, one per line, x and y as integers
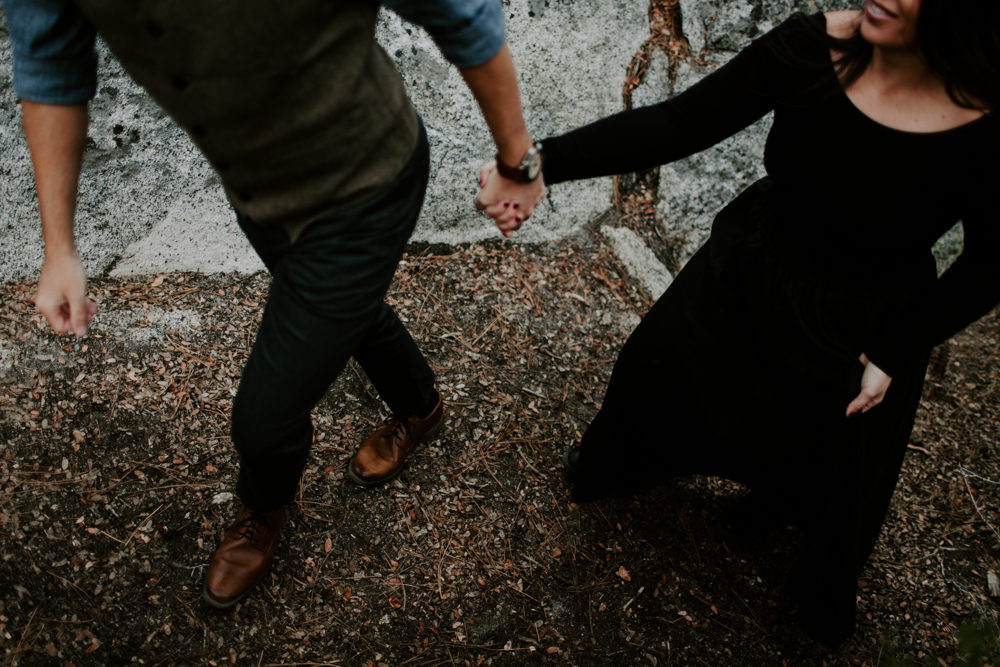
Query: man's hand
{"type": "Point", "coordinates": [56, 135]}
{"type": "Point", "coordinates": [874, 384]}
{"type": "Point", "coordinates": [62, 295]}
{"type": "Point", "coordinates": [507, 202]}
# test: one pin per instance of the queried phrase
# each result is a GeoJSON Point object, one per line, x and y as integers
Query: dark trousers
{"type": "Point", "coordinates": [326, 305]}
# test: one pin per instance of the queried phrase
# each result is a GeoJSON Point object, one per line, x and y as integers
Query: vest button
{"type": "Point", "coordinates": [178, 82]}
{"type": "Point", "coordinates": [198, 130]}
{"type": "Point", "coordinates": [154, 29]}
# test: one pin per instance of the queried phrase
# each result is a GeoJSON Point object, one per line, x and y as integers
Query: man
{"type": "Point", "coordinates": [325, 162]}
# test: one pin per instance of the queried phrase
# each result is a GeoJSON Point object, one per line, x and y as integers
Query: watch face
{"type": "Point", "coordinates": [534, 165]}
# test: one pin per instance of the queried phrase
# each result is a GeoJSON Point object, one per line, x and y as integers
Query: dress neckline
{"type": "Point", "coordinates": [847, 98]}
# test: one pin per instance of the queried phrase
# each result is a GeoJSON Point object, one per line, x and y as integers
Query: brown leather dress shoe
{"type": "Point", "coordinates": [381, 456]}
{"type": "Point", "coordinates": [242, 558]}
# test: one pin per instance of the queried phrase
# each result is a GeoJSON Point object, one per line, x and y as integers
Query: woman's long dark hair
{"type": "Point", "coordinates": [960, 40]}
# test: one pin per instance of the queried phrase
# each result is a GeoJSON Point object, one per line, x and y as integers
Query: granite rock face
{"type": "Point", "coordinates": [150, 203]}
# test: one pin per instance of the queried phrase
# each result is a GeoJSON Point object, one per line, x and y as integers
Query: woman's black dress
{"type": "Point", "coordinates": [745, 366]}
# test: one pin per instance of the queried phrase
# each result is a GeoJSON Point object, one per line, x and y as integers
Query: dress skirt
{"type": "Point", "coordinates": [743, 369]}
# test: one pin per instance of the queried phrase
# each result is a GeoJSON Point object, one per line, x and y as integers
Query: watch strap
{"type": "Point", "coordinates": [515, 174]}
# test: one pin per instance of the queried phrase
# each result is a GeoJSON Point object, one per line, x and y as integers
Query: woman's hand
{"type": "Point", "coordinates": [874, 384]}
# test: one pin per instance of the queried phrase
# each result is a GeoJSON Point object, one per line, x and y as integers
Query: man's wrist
{"type": "Point", "coordinates": [60, 250]}
{"type": "Point", "coordinates": [510, 154]}
{"type": "Point", "coordinates": [526, 169]}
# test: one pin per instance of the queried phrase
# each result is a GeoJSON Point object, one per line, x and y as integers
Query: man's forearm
{"type": "Point", "coordinates": [56, 136]}
{"type": "Point", "coordinates": [494, 85]}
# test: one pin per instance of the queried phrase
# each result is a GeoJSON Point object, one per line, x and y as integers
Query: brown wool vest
{"type": "Point", "coordinates": [294, 103]}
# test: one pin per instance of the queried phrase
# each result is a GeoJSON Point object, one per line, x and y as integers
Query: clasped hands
{"type": "Point", "coordinates": [508, 203]}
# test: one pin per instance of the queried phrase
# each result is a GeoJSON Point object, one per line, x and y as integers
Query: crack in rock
{"type": "Point", "coordinates": [636, 195]}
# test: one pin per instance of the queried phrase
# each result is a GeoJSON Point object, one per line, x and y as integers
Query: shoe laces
{"type": "Point", "coordinates": [254, 524]}
{"type": "Point", "coordinates": [399, 428]}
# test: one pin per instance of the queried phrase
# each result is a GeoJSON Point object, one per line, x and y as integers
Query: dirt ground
{"type": "Point", "coordinates": [116, 479]}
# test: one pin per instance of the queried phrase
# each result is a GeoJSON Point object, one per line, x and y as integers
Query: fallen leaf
{"type": "Point", "coordinates": [623, 573]}
{"type": "Point", "coordinates": [328, 545]}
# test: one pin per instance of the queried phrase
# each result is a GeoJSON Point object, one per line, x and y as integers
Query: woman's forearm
{"type": "Point", "coordinates": [721, 104]}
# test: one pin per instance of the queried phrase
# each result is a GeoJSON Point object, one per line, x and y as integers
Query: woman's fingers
{"type": "Point", "coordinates": [509, 228]}
{"type": "Point", "coordinates": [505, 216]}
{"type": "Point", "coordinates": [500, 210]}
{"type": "Point", "coordinates": [863, 403]}
{"type": "Point", "coordinates": [874, 383]}
{"type": "Point", "coordinates": [509, 222]}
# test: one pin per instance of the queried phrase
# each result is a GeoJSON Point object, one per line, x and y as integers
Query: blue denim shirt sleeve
{"type": "Point", "coordinates": [468, 32]}
{"type": "Point", "coordinates": [54, 57]}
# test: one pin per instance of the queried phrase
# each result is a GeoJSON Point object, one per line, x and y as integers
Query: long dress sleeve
{"type": "Point", "coordinates": [726, 101]}
{"type": "Point", "coordinates": [969, 289]}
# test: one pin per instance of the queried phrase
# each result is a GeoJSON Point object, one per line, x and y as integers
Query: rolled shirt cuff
{"type": "Point", "coordinates": [478, 38]}
{"type": "Point", "coordinates": [56, 80]}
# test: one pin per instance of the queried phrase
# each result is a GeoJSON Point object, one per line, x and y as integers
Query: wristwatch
{"type": "Point", "coordinates": [529, 168]}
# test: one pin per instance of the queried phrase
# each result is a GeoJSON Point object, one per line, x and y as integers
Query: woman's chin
{"type": "Point", "coordinates": [882, 35]}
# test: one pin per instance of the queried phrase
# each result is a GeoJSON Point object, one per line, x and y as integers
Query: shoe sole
{"type": "Point", "coordinates": [227, 605]}
{"type": "Point", "coordinates": [432, 431]}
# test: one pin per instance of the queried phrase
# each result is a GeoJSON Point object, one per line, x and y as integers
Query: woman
{"type": "Point", "coordinates": [790, 351]}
